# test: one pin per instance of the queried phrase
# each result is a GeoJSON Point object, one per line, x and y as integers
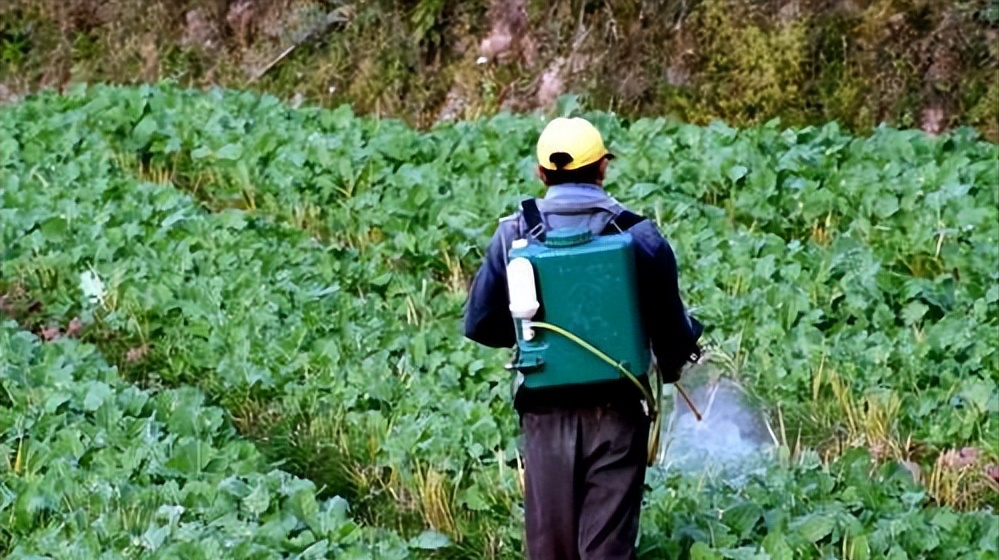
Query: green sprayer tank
{"type": "Point", "coordinates": [585, 285]}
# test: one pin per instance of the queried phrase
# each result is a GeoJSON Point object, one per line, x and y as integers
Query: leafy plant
{"type": "Point", "coordinates": [303, 271]}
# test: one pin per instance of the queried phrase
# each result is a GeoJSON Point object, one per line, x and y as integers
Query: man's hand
{"type": "Point", "coordinates": [697, 356]}
{"type": "Point", "coordinates": [671, 377]}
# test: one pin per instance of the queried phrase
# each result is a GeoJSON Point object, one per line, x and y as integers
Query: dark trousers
{"type": "Point", "coordinates": [584, 479]}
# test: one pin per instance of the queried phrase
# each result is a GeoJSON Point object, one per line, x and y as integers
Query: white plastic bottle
{"type": "Point", "coordinates": [522, 289]}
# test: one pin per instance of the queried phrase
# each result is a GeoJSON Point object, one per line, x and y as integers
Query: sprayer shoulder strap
{"type": "Point", "coordinates": [623, 222]}
{"type": "Point", "coordinates": [622, 219]}
{"type": "Point", "coordinates": [532, 217]}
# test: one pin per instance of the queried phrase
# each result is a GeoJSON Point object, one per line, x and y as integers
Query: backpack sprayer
{"type": "Point", "coordinates": [591, 312]}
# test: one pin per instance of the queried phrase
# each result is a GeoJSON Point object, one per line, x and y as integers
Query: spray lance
{"type": "Point", "coordinates": [697, 413]}
{"type": "Point", "coordinates": [524, 306]}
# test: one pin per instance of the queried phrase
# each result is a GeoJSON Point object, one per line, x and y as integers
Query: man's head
{"type": "Point", "coordinates": [572, 151]}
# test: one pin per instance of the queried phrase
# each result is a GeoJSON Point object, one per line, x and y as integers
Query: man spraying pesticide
{"type": "Point", "coordinates": [587, 292]}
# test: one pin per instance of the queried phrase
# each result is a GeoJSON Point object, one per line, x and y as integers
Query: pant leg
{"type": "Point", "coordinates": [615, 444]}
{"type": "Point", "coordinates": [550, 465]}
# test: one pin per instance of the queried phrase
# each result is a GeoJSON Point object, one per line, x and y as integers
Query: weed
{"type": "Point", "coordinates": [435, 496]}
{"type": "Point", "coordinates": [959, 479]}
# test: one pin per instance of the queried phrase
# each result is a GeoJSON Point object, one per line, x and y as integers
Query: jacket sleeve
{"type": "Point", "coordinates": [487, 310]}
{"type": "Point", "coordinates": [673, 333]}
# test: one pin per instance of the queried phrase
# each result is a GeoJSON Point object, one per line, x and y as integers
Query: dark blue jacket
{"type": "Point", "coordinates": [673, 333]}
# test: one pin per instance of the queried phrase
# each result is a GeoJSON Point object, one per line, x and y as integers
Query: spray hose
{"type": "Point", "coordinates": [654, 404]}
{"type": "Point", "coordinates": [595, 351]}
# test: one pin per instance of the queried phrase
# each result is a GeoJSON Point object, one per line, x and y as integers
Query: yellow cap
{"type": "Point", "coordinates": [576, 137]}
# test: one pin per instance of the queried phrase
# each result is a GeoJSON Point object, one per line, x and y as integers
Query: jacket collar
{"type": "Point", "coordinates": [576, 191]}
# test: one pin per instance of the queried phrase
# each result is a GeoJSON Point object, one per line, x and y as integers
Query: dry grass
{"type": "Point", "coordinates": [961, 479]}
{"type": "Point", "coordinates": [455, 277]}
{"type": "Point", "coordinates": [822, 230]}
{"type": "Point", "coordinates": [435, 496]}
{"type": "Point", "coordinates": [253, 417]}
{"type": "Point", "coordinates": [844, 421]}
{"type": "Point", "coordinates": [958, 478]}
{"type": "Point", "coordinates": [161, 175]}
{"type": "Point", "coordinates": [869, 421]}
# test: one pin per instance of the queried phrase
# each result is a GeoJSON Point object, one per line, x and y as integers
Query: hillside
{"type": "Point", "coordinates": [926, 64]}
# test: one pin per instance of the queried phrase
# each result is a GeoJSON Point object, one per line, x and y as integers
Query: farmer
{"type": "Point", "coordinates": [585, 446]}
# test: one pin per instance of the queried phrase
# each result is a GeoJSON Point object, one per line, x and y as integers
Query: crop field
{"type": "Point", "coordinates": [230, 328]}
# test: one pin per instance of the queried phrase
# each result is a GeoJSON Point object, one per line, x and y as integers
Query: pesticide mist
{"type": "Point", "coordinates": [732, 439]}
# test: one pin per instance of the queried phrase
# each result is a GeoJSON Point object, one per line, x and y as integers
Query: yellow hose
{"type": "Point", "coordinates": [654, 404]}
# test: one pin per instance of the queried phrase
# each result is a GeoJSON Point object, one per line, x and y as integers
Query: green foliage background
{"type": "Point", "coordinates": [294, 278]}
